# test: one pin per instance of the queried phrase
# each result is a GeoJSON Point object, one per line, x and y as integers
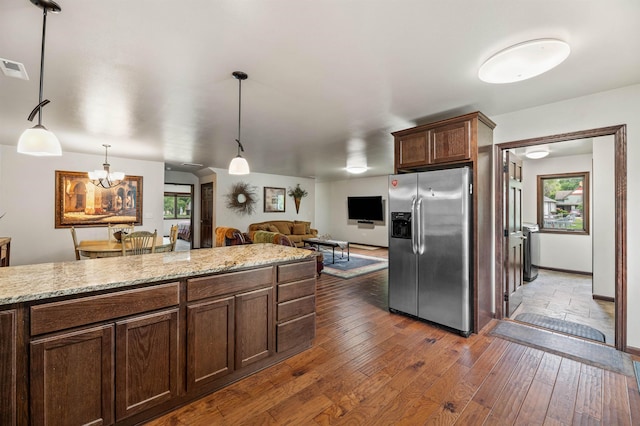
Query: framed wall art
{"type": "Point", "coordinates": [274, 199]}
{"type": "Point", "coordinates": [80, 203]}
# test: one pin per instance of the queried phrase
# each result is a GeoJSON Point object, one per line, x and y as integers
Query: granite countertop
{"type": "Point", "coordinates": [47, 280]}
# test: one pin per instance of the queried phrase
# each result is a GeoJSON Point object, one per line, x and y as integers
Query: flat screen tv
{"type": "Point", "coordinates": [365, 208]}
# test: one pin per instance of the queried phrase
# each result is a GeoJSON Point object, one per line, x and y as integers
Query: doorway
{"type": "Point", "coordinates": [620, 176]}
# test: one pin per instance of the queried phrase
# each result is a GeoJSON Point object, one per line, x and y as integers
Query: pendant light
{"type": "Point", "coordinates": [38, 140]}
{"type": "Point", "coordinates": [239, 165]}
{"type": "Point", "coordinates": [105, 178]}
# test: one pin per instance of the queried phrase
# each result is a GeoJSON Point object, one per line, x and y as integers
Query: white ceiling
{"type": "Point", "coordinates": [327, 78]}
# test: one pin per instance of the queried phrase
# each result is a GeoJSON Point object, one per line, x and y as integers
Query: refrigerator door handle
{"type": "Point", "coordinates": [414, 240]}
{"type": "Point", "coordinates": [419, 226]}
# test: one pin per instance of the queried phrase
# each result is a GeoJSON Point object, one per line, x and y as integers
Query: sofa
{"type": "Point", "coordinates": [295, 230]}
{"type": "Point", "coordinates": [231, 236]}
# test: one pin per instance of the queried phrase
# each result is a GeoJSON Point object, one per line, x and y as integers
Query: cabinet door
{"type": "Point", "coordinates": [146, 362]}
{"type": "Point", "coordinates": [72, 378]}
{"type": "Point", "coordinates": [450, 143]}
{"type": "Point", "coordinates": [254, 326]}
{"type": "Point", "coordinates": [412, 150]}
{"type": "Point", "coordinates": [8, 337]}
{"type": "Point", "coordinates": [210, 341]}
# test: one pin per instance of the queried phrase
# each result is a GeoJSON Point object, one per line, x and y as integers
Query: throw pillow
{"type": "Point", "coordinates": [307, 226]}
{"type": "Point", "coordinates": [272, 228]}
{"type": "Point", "coordinates": [284, 227]}
{"type": "Point", "coordinates": [299, 229]}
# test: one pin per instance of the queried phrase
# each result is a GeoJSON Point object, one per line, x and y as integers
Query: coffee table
{"type": "Point", "coordinates": [329, 243]}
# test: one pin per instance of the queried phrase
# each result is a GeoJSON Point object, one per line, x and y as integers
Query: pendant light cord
{"type": "Point", "coordinates": [44, 32]}
{"type": "Point", "coordinates": [240, 147]}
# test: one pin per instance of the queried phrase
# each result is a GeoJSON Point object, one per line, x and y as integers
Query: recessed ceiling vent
{"type": "Point", "coordinates": [192, 164]}
{"type": "Point", "coordinates": [13, 69]}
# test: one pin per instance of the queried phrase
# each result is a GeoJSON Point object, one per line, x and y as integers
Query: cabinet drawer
{"type": "Point", "coordinates": [296, 332]}
{"type": "Point", "coordinates": [72, 313]}
{"type": "Point", "coordinates": [296, 307]}
{"type": "Point", "coordinates": [296, 289]}
{"type": "Point", "coordinates": [296, 271]}
{"type": "Point", "coordinates": [235, 282]}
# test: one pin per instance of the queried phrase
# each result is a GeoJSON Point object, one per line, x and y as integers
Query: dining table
{"type": "Point", "coordinates": [109, 248]}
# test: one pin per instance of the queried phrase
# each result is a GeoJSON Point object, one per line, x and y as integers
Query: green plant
{"type": "Point", "coordinates": [297, 192]}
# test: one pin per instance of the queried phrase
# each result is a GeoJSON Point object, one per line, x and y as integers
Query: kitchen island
{"type": "Point", "coordinates": [122, 340]}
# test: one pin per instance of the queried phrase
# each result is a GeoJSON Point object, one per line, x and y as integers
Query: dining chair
{"type": "Point", "coordinates": [173, 237]}
{"type": "Point", "coordinates": [115, 227]}
{"type": "Point", "coordinates": [75, 242]}
{"type": "Point", "coordinates": [139, 242]}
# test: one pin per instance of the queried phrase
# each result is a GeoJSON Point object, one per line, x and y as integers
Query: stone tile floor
{"type": "Point", "coordinates": [568, 296]}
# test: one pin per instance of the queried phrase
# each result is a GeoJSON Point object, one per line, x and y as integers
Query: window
{"type": "Point", "coordinates": [563, 203]}
{"type": "Point", "coordinates": [177, 206]}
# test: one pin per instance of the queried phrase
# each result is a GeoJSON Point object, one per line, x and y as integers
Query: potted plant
{"type": "Point", "coordinates": [297, 193]}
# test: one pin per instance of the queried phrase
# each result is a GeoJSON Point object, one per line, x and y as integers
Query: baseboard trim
{"type": "Point", "coordinates": [568, 271]}
{"type": "Point", "coordinates": [604, 298]}
{"type": "Point", "coordinates": [632, 350]}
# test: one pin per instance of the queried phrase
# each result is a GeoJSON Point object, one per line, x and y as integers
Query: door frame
{"type": "Point", "coordinates": [619, 134]}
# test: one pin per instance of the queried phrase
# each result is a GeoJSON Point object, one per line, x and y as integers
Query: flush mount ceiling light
{"type": "Point", "coordinates": [239, 165]}
{"type": "Point", "coordinates": [356, 170]}
{"type": "Point", "coordinates": [536, 155]}
{"type": "Point", "coordinates": [105, 178]}
{"type": "Point", "coordinates": [38, 140]}
{"type": "Point", "coordinates": [524, 60]}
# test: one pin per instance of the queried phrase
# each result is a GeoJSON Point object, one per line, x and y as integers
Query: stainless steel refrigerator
{"type": "Point", "coordinates": [430, 246]}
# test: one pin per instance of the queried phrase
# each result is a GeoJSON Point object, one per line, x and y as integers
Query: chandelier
{"type": "Point", "coordinates": [106, 178]}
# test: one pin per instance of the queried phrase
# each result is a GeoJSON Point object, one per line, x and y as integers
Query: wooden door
{"type": "Point", "coordinates": [513, 233]}
{"type": "Point", "coordinates": [450, 143]}
{"type": "Point", "coordinates": [254, 326]}
{"type": "Point", "coordinates": [210, 341]}
{"type": "Point", "coordinates": [147, 370]}
{"type": "Point", "coordinates": [72, 378]}
{"type": "Point", "coordinates": [206, 215]}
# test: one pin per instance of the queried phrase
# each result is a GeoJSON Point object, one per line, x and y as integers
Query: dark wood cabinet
{"type": "Point", "coordinates": [8, 337]}
{"type": "Point", "coordinates": [446, 142]}
{"type": "Point", "coordinates": [210, 341]}
{"type": "Point", "coordinates": [72, 378]}
{"type": "Point", "coordinates": [465, 140]}
{"type": "Point", "coordinates": [412, 150]}
{"type": "Point", "coordinates": [254, 326]}
{"type": "Point", "coordinates": [146, 362]}
{"type": "Point", "coordinates": [450, 143]}
{"type": "Point", "coordinates": [124, 356]}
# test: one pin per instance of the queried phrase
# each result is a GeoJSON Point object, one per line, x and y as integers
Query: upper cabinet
{"type": "Point", "coordinates": [450, 141]}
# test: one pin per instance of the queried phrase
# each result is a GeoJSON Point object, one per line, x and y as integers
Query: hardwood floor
{"type": "Point", "coordinates": [370, 367]}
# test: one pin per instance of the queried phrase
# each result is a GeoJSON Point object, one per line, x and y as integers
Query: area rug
{"type": "Point", "coordinates": [358, 264]}
{"type": "Point", "coordinates": [580, 350]}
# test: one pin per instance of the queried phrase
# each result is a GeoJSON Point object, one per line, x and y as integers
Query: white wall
{"type": "Point", "coordinates": [27, 194]}
{"type": "Point", "coordinates": [332, 210]}
{"type": "Point", "coordinates": [620, 106]}
{"type": "Point", "coordinates": [603, 220]}
{"type": "Point", "coordinates": [230, 218]}
{"type": "Point", "coordinates": [560, 251]}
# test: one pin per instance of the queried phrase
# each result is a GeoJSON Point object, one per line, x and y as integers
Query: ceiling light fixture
{"type": "Point", "coordinates": [536, 155]}
{"type": "Point", "coordinates": [356, 170]}
{"type": "Point", "coordinates": [524, 60]}
{"type": "Point", "coordinates": [239, 165]}
{"type": "Point", "coordinates": [105, 178]}
{"type": "Point", "coordinates": [38, 140]}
